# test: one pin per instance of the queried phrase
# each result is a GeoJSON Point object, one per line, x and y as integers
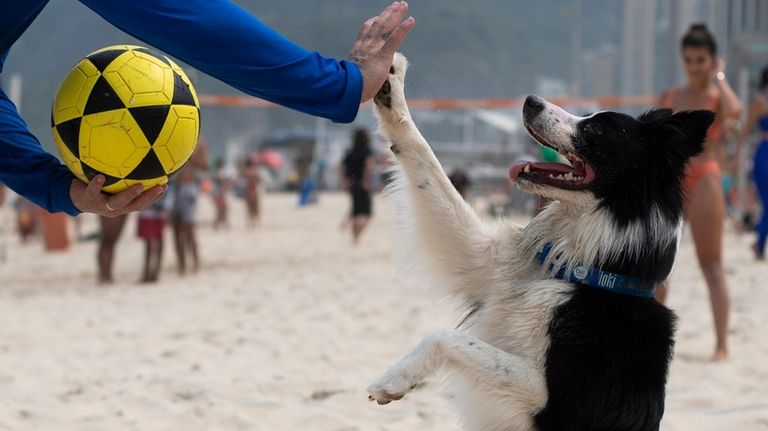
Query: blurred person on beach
{"type": "Point", "coordinates": [26, 219]}
{"type": "Point", "coordinates": [460, 181]}
{"type": "Point", "coordinates": [222, 183]}
{"type": "Point", "coordinates": [320, 168]}
{"type": "Point", "coordinates": [186, 189]}
{"type": "Point", "coordinates": [218, 38]}
{"type": "Point", "coordinates": [307, 184]}
{"type": "Point", "coordinates": [356, 173]}
{"type": "Point", "coordinates": [757, 117]}
{"type": "Point", "coordinates": [706, 88]}
{"type": "Point", "coordinates": [252, 182]}
{"type": "Point", "coordinates": [110, 228]}
{"type": "Point", "coordinates": [151, 227]}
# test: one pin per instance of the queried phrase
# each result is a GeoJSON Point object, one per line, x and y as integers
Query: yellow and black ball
{"type": "Point", "coordinates": [128, 113]}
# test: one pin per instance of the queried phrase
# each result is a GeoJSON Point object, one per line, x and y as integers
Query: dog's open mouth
{"type": "Point", "coordinates": [577, 175]}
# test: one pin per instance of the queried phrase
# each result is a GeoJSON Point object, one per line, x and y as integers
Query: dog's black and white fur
{"type": "Point", "coordinates": [538, 352]}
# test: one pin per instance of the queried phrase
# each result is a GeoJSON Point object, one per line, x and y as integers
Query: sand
{"type": "Point", "coordinates": [284, 327]}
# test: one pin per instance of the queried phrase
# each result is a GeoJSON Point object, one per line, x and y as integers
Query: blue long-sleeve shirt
{"type": "Point", "coordinates": [214, 36]}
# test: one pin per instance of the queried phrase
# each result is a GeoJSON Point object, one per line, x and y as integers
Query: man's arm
{"type": "Point", "coordinates": [39, 176]}
{"type": "Point", "coordinates": [26, 168]}
{"type": "Point", "coordinates": [226, 42]}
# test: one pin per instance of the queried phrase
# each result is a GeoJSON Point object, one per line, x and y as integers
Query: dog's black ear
{"type": "Point", "coordinates": [655, 115]}
{"type": "Point", "coordinates": [684, 132]}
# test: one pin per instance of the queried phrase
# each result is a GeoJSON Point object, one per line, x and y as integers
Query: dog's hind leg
{"type": "Point", "coordinates": [447, 233]}
{"type": "Point", "coordinates": [492, 368]}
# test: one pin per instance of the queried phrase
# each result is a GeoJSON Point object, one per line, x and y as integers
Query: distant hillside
{"type": "Point", "coordinates": [459, 48]}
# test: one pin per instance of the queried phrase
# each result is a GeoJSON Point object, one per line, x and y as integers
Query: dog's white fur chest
{"type": "Point", "coordinates": [514, 317]}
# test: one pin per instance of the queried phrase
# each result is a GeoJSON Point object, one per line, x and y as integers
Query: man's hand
{"type": "Point", "coordinates": [376, 44]}
{"type": "Point", "coordinates": [89, 198]}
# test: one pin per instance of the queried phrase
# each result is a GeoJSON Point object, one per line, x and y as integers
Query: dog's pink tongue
{"type": "Point", "coordinates": [516, 168]}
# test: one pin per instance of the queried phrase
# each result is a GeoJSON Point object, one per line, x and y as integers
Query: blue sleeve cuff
{"type": "Point", "coordinates": [349, 105]}
{"type": "Point", "coordinates": [26, 168]}
{"type": "Point", "coordinates": [61, 200]}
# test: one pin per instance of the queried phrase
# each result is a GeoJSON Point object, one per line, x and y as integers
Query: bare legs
{"type": "Point", "coordinates": [222, 212]}
{"type": "Point", "coordinates": [110, 233]}
{"type": "Point", "coordinates": [358, 226]}
{"type": "Point", "coordinates": [252, 206]}
{"type": "Point", "coordinates": [152, 260]}
{"type": "Point", "coordinates": [185, 240]}
{"type": "Point", "coordinates": [705, 213]}
{"type": "Point", "coordinates": [179, 237]}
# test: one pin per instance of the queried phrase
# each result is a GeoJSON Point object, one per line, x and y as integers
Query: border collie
{"type": "Point", "coordinates": [562, 330]}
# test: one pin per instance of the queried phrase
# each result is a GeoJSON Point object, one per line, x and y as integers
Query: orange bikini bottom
{"type": "Point", "coordinates": [696, 171]}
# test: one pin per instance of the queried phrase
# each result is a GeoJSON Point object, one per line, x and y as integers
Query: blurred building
{"type": "Point", "coordinates": [734, 19]}
{"type": "Point", "coordinates": [601, 69]}
{"type": "Point", "coordinates": [637, 47]}
{"type": "Point", "coordinates": [742, 25]}
{"type": "Point", "coordinates": [649, 58]}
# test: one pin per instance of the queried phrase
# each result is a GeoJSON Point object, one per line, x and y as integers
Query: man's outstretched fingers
{"type": "Point", "coordinates": [93, 189]}
{"type": "Point", "coordinates": [146, 199]}
{"type": "Point", "coordinates": [393, 16]}
{"type": "Point", "coordinates": [386, 14]}
{"type": "Point", "coordinates": [366, 27]}
{"type": "Point", "coordinates": [119, 201]}
{"type": "Point", "coordinates": [376, 44]}
{"type": "Point", "coordinates": [398, 36]}
{"type": "Point", "coordinates": [85, 197]}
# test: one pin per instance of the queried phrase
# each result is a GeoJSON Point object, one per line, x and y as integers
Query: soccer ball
{"type": "Point", "coordinates": [128, 113]}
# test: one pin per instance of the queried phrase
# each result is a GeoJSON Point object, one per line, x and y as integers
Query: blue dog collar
{"type": "Point", "coordinates": [596, 277]}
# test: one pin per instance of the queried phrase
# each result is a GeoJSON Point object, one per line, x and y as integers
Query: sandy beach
{"type": "Point", "coordinates": [285, 326]}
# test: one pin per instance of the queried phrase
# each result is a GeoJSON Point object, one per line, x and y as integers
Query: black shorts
{"type": "Point", "coordinates": [361, 202]}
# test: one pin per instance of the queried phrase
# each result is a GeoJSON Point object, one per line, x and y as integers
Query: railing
{"type": "Point", "coordinates": [449, 104]}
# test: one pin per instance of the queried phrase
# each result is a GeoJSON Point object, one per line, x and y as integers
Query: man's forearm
{"type": "Point", "coordinates": [226, 42]}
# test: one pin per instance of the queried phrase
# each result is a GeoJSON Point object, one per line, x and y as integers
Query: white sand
{"type": "Point", "coordinates": [284, 328]}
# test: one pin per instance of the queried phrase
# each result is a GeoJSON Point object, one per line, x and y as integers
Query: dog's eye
{"type": "Point", "coordinates": [593, 129]}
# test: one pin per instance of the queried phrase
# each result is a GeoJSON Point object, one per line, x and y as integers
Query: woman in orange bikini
{"type": "Point", "coordinates": [706, 88]}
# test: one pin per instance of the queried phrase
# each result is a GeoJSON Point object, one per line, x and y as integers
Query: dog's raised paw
{"type": "Point", "coordinates": [389, 387]}
{"type": "Point", "coordinates": [386, 88]}
{"type": "Point", "coordinates": [383, 98]}
{"type": "Point", "coordinates": [383, 397]}
{"type": "Point", "coordinates": [399, 65]}
{"type": "Point", "coordinates": [390, 88]}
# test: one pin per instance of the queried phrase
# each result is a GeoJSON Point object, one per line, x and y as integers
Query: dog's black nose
{"type": "Point", "coordinates": [532, 107]}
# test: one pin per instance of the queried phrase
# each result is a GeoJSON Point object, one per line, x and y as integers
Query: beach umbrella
{"type": "Point", "coordinates": [271, 159]}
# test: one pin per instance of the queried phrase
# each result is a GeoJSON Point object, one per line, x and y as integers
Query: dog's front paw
{"type": "Point", "coordinates": [384, 97]}
{"type": "Point", "coordinates": [392, 386]}
{"type": "Point", "coordinates": [390, 99]}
